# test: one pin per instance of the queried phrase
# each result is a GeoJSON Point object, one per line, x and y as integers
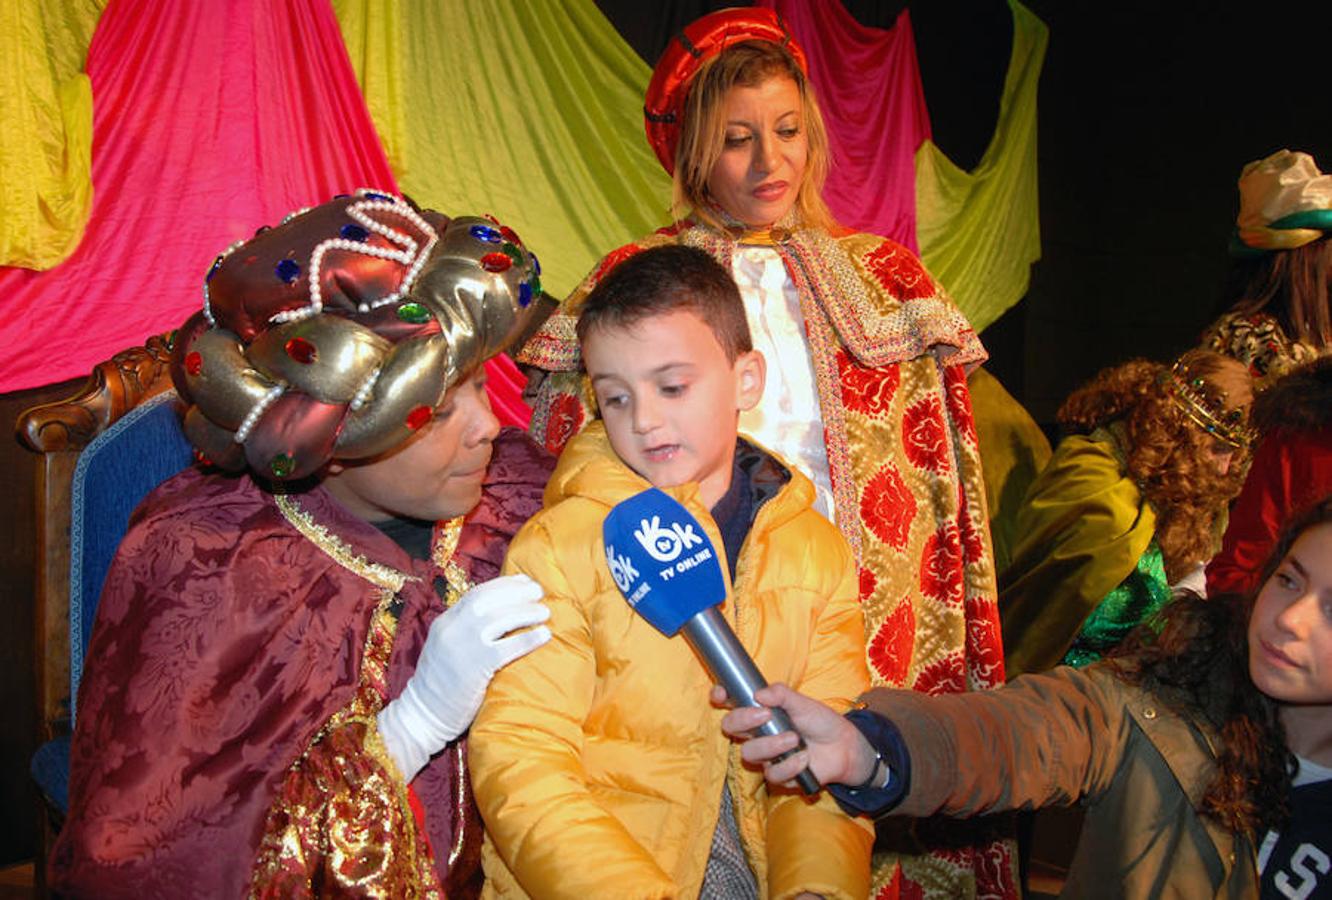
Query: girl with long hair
{"type": "Point", "coordinates": [1202, 750]}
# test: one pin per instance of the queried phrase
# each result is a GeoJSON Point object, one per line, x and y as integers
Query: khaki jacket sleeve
{"type": "Point", "coordinates": [525, 750]}
{"type": "Point", "coordinates": [813, 846]}
{"type": "Point", "coordinates": [1049, 739]}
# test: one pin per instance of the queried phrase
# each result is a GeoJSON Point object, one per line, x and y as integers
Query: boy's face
{"type": "Point", "coordinates": [671, 399]}
{"type": "Point", "coordinates": [434, 475]}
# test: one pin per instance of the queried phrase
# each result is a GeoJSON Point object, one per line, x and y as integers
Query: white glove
{"type": "Point", "coordinates": [465, 648]}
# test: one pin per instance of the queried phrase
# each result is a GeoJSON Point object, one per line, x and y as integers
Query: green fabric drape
{"type": "Point", "coordinates": [979, 231]}
{"type": "Point", "coordinates": [46, 141]}
{"type": "Point", "coordinates": [1013, 452]}
{"type": "Point", "coordinates": [530, 110]}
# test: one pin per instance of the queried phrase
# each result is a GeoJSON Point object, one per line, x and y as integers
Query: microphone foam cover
{"type": "Point", "coordinates": [661, 560]}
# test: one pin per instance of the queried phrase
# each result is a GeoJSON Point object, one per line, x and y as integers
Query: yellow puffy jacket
{"type": "Point", "coordinates": [598, 762]}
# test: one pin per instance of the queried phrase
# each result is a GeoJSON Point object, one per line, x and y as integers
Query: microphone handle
{"type": "Point", "coordinates": [729, 662]}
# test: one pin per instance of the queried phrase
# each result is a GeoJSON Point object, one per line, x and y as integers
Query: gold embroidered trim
{"type": "Point", "coordinates": [446, 545]}
{"type": "Point", "coordinates": [374, 672]}
{"type": "Point", "coordinates": [827, 376]}
{"type": "Point", "coordinates": [459, 802]}
{"type": "Point", "coordinates": [379, 575]}
{"type": "Point", "coordinates": [297, 828]}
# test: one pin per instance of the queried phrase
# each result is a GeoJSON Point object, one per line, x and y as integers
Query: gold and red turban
{"type": "Point", "coordinates": [336, 333]}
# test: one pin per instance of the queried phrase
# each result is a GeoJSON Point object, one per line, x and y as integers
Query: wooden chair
{"type": "Point", "coordinates": [84, 497]}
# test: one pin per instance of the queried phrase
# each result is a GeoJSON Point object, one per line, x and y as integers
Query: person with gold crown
{"type": "Point", "coordinates": [293, 639]}
{"type": "Point", "coordinates": [1278, 307]}
{"type": "Point", "coordinates": [867, 360]}
{"type": "Point", "coordinates": [1129, 508]}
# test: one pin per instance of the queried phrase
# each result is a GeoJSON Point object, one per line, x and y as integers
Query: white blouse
{"type": "Point", "coordinates": [787, 419]}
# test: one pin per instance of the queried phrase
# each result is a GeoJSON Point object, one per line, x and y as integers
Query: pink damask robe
{"type": "Point", "coordinates": [226, 742]}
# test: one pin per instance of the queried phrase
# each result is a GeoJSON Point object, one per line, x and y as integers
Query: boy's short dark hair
{"type": "Point", "coordinates": [664, 280]}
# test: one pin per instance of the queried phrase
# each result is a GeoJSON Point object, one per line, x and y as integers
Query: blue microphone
{"type": "Point", "coordinates": [666, 568]}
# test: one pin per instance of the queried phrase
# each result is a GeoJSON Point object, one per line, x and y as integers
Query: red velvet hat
{"type": "Point", "coordinates": [663, 107]}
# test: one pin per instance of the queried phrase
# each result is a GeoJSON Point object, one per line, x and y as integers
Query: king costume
{"type": "Point", "coordinates": [1086, 566]}
{"type": "Point", "coordinates": [246, 723]}
{"type": "Point", "coordinates": [244, 642]}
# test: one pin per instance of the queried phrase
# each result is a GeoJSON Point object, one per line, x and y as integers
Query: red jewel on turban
{"type": "Point", "coordinates": [301, 350]}
{"type": "Point", "coordinates": [418, 417]}
{"type": "Point", "coordinates": [496, 262]}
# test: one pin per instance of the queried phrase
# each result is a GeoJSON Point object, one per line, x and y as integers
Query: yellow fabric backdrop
{"type": "Point", "coordinates": [530, 110]}
{"type": "Point", "coordinates": [979, 231]}
{"type": "Point", "coordinates": [46, 141]}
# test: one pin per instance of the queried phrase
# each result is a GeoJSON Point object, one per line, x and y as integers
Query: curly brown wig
{"type": "Point", "coordinates": [1197, 653]}
{"type": "Point", "coordinates": [1165, 450]}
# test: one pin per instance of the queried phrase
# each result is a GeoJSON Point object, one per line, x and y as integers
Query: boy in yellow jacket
{"type": "Point", "coordinates": [599, 764]}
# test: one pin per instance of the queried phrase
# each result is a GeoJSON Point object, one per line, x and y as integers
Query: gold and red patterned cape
{"type": "Point", "coordinates": [226, 741]}
{"type": "Point", "coordinates": [891, 353]}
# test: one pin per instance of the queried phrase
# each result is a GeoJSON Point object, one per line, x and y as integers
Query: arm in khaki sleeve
{"type": "Point", "coordinates": [525, 747]}
{"type": "Point", "coordinates": [815, 847]}
{"type": "Point", "coordinates": [1041, 740]}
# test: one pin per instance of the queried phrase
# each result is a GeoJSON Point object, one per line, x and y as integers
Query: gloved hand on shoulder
{"type": "Point", "coordinates": [466, 646]}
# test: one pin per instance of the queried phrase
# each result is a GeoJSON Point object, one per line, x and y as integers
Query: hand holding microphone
{"type": "Point", "coordinates": [667, 570]}
{"type": "Point", "coordinates": [834, 749]}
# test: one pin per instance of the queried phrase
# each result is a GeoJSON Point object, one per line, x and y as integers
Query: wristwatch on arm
{"type": "Point", "coordinates": [890, 778]}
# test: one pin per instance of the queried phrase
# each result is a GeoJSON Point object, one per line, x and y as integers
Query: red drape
{"type": "Point", "coordinates": [868, 84]}
{"type": "Point", "coordinates": [209, 119]}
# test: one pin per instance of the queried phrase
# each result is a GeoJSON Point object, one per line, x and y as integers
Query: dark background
{"type": "Point", "coordinates": [1147, 111]}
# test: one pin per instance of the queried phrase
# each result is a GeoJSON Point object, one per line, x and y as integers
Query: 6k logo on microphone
{"type": "Point", "coordinates": [621, 569]}
{"type": "Point", "coordinates": [665, 544]}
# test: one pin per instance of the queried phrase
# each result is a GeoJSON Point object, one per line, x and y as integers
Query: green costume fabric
{"type": "Point", "coordinates": [1135, 599]}
{"type": "Point", "coordinates": [1082, 530]}
{"type": "Point", "coordinates": [1013, 452]}
{"type": "Point", "coordinates": [979, 231]}
{"type": "Point", "coordinates": [532, 113]}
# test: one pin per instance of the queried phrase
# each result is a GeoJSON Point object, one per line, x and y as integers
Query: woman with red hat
{"type": "Point", "coordinates": [867, 359]}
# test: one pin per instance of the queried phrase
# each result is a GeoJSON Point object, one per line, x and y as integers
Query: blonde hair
{"type": "Point", "coordinates": [703, 130]}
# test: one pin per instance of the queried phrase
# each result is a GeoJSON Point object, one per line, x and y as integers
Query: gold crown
{"type": "Point", "coordinates": [1206, 408]}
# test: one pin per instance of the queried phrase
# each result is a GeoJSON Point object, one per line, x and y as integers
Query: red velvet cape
{"type": "Point", "coordinates": [224, 641]}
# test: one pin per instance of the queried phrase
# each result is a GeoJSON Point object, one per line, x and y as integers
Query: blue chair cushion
{"type": "Point", "coordinates": [117, 469]}
{"type": "Point", "coordinates": [50, 769]}
{"type": "Point", "coordinates": [114, 473]}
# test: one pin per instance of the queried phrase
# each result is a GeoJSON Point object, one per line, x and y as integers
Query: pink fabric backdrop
{"type": "Point", "coordinates": [209, 119]}
{"type": "Point", "coordinates": [869, 89]}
